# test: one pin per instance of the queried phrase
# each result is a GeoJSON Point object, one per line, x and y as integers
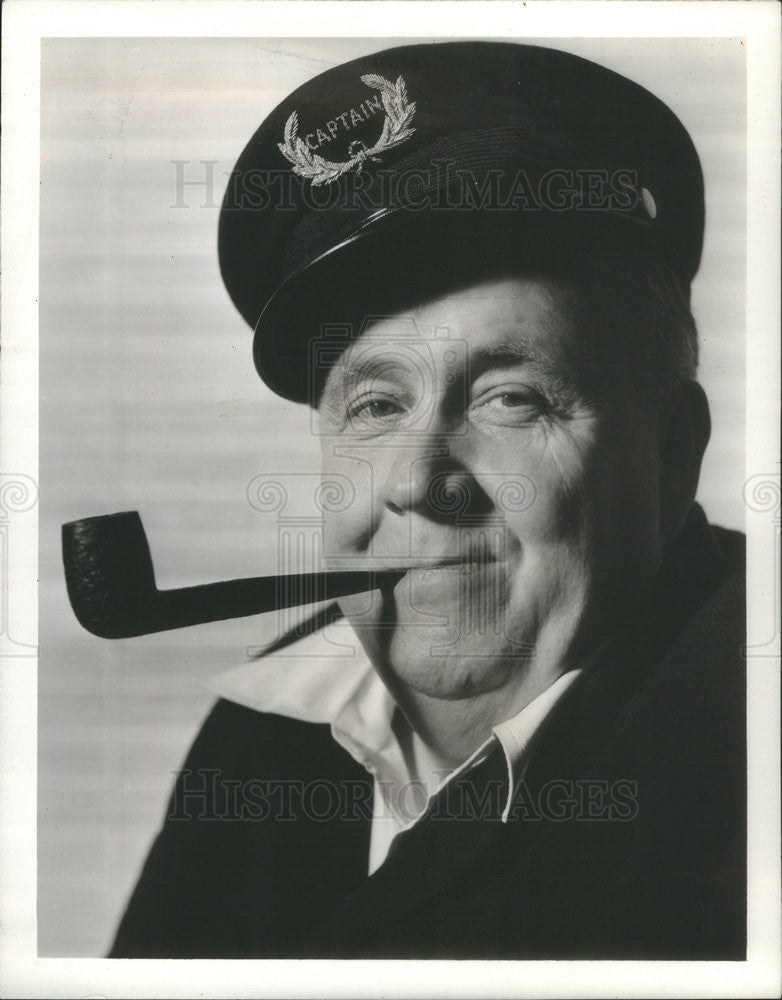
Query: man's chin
{"type": "Point", "coordinates": [434, 663]}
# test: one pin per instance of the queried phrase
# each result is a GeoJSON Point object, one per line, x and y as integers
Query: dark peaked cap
{"type": "Point", "coordinates": [419, 133]}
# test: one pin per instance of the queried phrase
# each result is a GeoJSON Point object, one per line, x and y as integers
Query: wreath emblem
{"type": "Point", "coordinates": [396, 129]}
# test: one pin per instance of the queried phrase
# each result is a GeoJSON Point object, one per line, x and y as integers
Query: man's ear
{"type": "Point", "coordinates": [685, 429]}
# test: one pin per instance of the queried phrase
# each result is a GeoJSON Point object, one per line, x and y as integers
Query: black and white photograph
{"type": "Point", "coordinates": [401, 437]}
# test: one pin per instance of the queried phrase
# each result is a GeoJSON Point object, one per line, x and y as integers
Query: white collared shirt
{"type": "Point", "coordinates": [314, 681]}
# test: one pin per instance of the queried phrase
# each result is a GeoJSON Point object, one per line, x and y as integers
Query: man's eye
{"type": "Point", "coordinates": [510, 405]}
{"type": "Point", "coordinates": [510, 400]}
{"type": "Point", "coordinates": [374, 408]}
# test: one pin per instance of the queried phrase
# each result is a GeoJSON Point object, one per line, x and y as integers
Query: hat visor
{"type": "Point", "coordinates": [399, 258]}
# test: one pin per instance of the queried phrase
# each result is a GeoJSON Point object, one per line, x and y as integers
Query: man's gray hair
{"type": "Point", "coordinates": [673, 326]}
{"type": "Point", "coordinates": [640, 324]}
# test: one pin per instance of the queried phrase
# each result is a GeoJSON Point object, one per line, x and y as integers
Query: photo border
{"type": "Point", "coordinates": [22, 973]}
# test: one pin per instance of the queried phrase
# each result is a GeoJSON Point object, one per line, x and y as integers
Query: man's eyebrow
{"type": "Point", "coordinates": [512, 354]}
{"type": "Point", "coordinates": [356, 367]}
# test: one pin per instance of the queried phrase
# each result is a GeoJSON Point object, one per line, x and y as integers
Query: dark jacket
{"type": "Point", "coordinates": [627, 838]}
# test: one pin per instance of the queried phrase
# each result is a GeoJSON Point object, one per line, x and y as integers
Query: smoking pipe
{"type": "Point", "coordinates": [112, 590]}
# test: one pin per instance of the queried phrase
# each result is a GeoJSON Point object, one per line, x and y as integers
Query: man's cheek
{"type": "Point", "coordinates": [557, 511]}
{"type": "Point", "coordinates": [341, 536]}
{"type": "Point", "coordinates": [346, 501]}
{"type": "Point", "coordinates": [549, 467]}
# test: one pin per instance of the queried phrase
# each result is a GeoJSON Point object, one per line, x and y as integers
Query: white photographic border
{"type": "Point", "coordinates": [22, 973]}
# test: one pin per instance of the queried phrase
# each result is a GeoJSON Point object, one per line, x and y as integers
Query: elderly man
{"type": "Point", "coordinates": [473, 260]}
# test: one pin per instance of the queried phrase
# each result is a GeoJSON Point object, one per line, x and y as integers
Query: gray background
{"type": "Point", "coordinates": [149, 400]}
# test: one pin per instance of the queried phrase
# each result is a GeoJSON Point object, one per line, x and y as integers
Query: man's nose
{"type": "Point", "coordinates": [430, 479]}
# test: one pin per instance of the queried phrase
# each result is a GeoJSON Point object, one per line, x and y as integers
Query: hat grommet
{"type": "Point", "coordinates": [649, 203]}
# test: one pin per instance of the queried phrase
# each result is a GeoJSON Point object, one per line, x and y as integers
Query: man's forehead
{"type": "Point", "coordinates": [508, 320]}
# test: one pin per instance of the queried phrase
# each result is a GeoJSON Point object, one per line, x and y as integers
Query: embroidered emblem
{"type": "Point", "coordinates": [396, 129]}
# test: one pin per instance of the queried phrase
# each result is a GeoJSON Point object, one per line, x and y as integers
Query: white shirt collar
{"type": "Point", "coordinates": [328, 678]}
{"type": "Point", "coordinates": [324, 678]}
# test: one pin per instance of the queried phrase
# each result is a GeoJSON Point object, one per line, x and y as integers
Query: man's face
{"type": "Point", "coordinates": [472, 449]}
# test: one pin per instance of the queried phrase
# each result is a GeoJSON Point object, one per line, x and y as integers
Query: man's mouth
{"type": "Point", "coordinates": [439, 582]}
{"type": "Point", "coordinates": [472, 560]}
{"type": "Point", "coordinates": [470, 553]}
{"type": "Point", "coordinates": [434, 563]}
{"type": "Point", "coordinates": [407, 564]}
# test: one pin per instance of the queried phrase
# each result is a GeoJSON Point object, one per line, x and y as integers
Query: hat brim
{"type": "Point", "coordinates": [399, 259]}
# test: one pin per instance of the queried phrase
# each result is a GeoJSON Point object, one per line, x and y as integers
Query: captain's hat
{"type": "Point", "coordinates": [375, 155]}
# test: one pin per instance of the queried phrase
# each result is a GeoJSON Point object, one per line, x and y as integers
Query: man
{"type": "Point", "coordinates": [473, 260]}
